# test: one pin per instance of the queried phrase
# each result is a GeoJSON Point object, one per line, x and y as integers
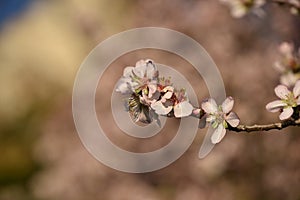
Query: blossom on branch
{"type": "Point", "coordinates": [240, 8]}
{"type": "Point", "coordinates": [219, 116]}
{"type": "Point", "coordinates": [289, 64]}
{"type": "Point", "coordinates": [288, 101]}
{"type": "Point", "coordinates": [143, 77]}
{"type": "Point", "coordinates": [151, 95]}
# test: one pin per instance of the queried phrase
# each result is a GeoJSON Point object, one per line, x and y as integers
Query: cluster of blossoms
{"type": "Point", "coordinates": [240, 8]}
{"type": "Point", "coordinates": [150, 96]}
{"type": "Point", "coordinates": [289, 67]}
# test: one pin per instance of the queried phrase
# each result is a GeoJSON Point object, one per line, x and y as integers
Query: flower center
{"type": "Point", "coordinates": [290, 100]}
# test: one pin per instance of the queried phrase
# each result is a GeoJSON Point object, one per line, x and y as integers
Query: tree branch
{"type": "Point", "coordinates": [265, 127]}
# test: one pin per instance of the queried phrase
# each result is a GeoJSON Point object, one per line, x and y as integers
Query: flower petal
{"type": "Point", "coordinates": [123, 87]}
{"type": "Point", "coordinates": [275, 106]}
{"type": "Point", "coordinates": [286, 113]}
{"type": "Point", "coordinates": [183, 109]}
{"type": "Point", "coordinates": [218, 134]}
{"type": "Point", "coordinates": [282, 91]}
{"type": "Point", "coordinates": [128, 71]}
{"type": "Point", "coordinates": [232, 119]}
{"type": "Point", "coordinates": [151, 70]}
{"type": "Point", "coordinates": [209, 106]}
{"type": "Point", "coordinates": [168, 95]}
{"type": "Point", "coordinates": [296, 89]}
{"type": "Point", "coordinates": [152, 89]}
{"type": "Point", "coordinates": [160, 109]}
{"type": "Point", "coordinates": [227, 105]}
{"type": "Point", "coordinates": [140, 68]}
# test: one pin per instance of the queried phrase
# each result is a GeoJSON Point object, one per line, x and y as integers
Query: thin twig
{"type": "Point", "coordinates": [265, 127]}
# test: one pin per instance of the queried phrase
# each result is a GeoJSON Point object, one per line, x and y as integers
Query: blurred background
{"type": "Point", "coordinates": [43, 43]}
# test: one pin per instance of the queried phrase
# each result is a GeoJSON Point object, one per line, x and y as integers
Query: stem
{"type": "Point", "coordinates": [265, 127]}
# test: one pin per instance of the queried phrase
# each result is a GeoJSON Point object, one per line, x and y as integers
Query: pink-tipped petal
{"type": "Point", "coordinates": [227, 105]}
{"type": "Point", "coordinates": [183, 109]}
{"type": "Point", "coordinates": [233, 119]}
{"type": "Point", "coordinates": [209, 106]}
{"type": "Point", "coordinates": [296, 89]}
{"type": "Point", "coordinates": [282, 91]}
{"type": "Point", "coordinates": [275, 106]}
{"type": "Point", "coordinates": [218, 134]}
{"type": "Point", "coordinates": [160, 109]}
{"type": "Point", "coordinates": [286, 113]}
{"type": "Point", "coordinates": [152, 89]}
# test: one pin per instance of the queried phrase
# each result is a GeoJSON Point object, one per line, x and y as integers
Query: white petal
{"type": "Point", "coordinates": [218, 134]}
{"type": "Point", "coordinates": [140, 68]}
{"type": "Point", "coordinates": [127, 71]}
{"type": "Point", "coordinates": [209, 106]}
{"type": "Point", "coordinates": [150, 69]}
{"type": "Point", "coordinates": [275, 106]}
{"type": "Point", "coordinates": [160, 109]}
{"type": "Point", "coordinates": [233, 119]}
{"type": "Point", "coordinates": [168, 95]}
{"type": "Point", "coordinates": [227, 105]}
{"type": "Point", "coordinates": [183, 109]}
{"type": "Point", "coordinates": [296, 89]}
{"type": "Point", "coordinates": [282, 91]}
{"type": "Point", "coordinates": [123, 87]}
{"type": "Point", "coordinates": [286, 113]}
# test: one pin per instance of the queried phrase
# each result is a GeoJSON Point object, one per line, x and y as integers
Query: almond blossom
{"type": "Point", "coordinates": [239, 8]}
{"type": "Point", "coordinates": [288, 101]}
{"type": "Point", "coordinates": [219, 116]}
{"type": "Point", "coordinates": [289, 64]}
{"type": "Point", "coordinates": [141, 78]}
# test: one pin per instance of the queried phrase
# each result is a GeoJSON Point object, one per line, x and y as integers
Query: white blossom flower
{"type": "Point", "coordinates": [142, 77]}
{"type": "Point", "coordinates": [219, 116]}
{"type": "Point", "coordinates": [288, 65]}
{"type": "Point", "coordinates": [239, 8]}
{"type": "Point", "coordinates": [288, 100]}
